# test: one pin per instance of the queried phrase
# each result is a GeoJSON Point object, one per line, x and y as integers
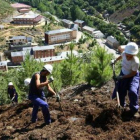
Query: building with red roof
{"type": "Point", "coordinates": [20, 6]}
{"type": "Point", "coordinates": [24, 10]}
{"type": "Point", "coordinates": [29, 18]}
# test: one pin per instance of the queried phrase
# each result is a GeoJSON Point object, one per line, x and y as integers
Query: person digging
{"type": "Point", "coordinates": [128, 79]}
{"type": "Point", "coordinates": [12, 93]}
{"type": "Point", "coordinates": [36, 93]}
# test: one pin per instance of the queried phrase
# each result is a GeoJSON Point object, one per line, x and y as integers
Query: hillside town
{"type": "Point", "coordinates": [19, 45]}
{"type": "Point", "coordinates": [69, 70]}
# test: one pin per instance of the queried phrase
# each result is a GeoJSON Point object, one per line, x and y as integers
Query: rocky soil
{"type": "Point", "coordinates": [89, 114]}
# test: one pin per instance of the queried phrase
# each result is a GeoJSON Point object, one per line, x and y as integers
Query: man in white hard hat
{"type": "Point", "coordinates": [12, 93]}
{"type": "Point", "coordinates": [36, 93]}
{"type": "Point", "coordinates": [128, 80]}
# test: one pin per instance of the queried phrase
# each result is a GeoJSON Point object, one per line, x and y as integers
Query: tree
{"type": "Point", "coordinates": [42, 7]}
{"type": "Point", "coordinates": [57, 71]}
{"type": "Point", "coordinates": [99, 70]}
{"type": "Point", "coordinates": [111, 10]}
{"type": "Point", "coordinates": [59, 12]}
{"type": "Point", "coordinates": [135, 29]}
{"type": "Point", "coordinates": [71, 69]}
{"type": "Point", "coordinates": [91, 10]}
{"type": "Point", "coordinates": [77, 13]}
{"type": "Point", "coordinates": [137, 21]}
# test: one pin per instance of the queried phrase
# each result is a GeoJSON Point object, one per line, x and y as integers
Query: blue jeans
{"type": "Point", "coordinates": [132, 86]}
{"type": "Point", "coordinates": [38, 102]}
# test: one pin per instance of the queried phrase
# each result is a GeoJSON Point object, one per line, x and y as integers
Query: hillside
{"type": "Point", "coordinates": [5, 9]}
{"type": "Point", "coordinates": [120, 15]}
{"type": "Point", "coordinates": [90, 115]}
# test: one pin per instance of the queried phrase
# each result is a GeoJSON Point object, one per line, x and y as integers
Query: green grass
{"type": "Point", "coordinates": [5, 9]}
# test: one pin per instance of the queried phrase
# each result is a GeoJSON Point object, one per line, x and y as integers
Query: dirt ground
{"type": "Point", "coordinates": [89, 112]}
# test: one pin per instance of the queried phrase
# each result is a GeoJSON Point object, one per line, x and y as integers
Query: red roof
{"type": "Point", "coordinates": [20, 5]}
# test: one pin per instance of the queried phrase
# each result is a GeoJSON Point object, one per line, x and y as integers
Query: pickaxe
{"type": "Point", "coordinates": [116, 85]}
{"type": "Point", "coordinates": [58, 99]}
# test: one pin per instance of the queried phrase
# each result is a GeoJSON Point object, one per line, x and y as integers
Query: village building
{"type": "Point", "coordinates": [60, 36]}
{"type": "Point", "coordinates": [98, 34]}
{"type": "Point", "coordinates": [88, 29]}
{"type": "Point", "coordinates": [56, 59]}
{"type": "Point", "coordinates": [112, 42]}
{"type": "Point", "coordinates": [51, 60]}
{"type": "Point", "coordinates": [20, 6]}
{"type": "Point", "coordinates": [19, 40]}
{"type": "Point", "coordinates": [67, 23]}
{"type": "Point", "coordinates": [66, 53]}
{"type": "Point", "coordinates": [25, 10]}
{"type": "Point", "coordinates": [127, 34]}
{"type": "Point", "coordinates": [36, 53]}
{"type": "Point", "coordinates": [81, 23]}
{"type": "Point", "coordinates": [30, 18]}
{"type": "Point", "coordinates": [17, 57]}
{"type": "Point", "coordinates": [41, 51]}
{"type": "Point", "coordinates": [3, 66]}
{"type": "Point", "coordinates": [75, 27]}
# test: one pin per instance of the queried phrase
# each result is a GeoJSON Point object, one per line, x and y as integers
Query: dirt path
{"type": "Point", "coordinates": [90, 115]}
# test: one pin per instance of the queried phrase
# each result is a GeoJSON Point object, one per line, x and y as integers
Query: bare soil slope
{"type": "Point", "coordinates": [121, 15]}
{"type": "Point", "coordinates": [90, 115]}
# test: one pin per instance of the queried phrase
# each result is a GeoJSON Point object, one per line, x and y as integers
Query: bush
{"type": "Point", "coordinates": [71, 69]}
{"type": "Point", "coordinates": [99, 70]}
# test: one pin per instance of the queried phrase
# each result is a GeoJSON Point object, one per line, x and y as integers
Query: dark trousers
{"type": "Point", "coordinates": [132, 86]}
{"type": "Point", "coordinates": [38, 102]}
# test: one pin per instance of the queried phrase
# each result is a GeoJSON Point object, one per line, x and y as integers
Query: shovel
{"type": "Point", "coordinates": [58, 100]}
{"type": "Point", "coordinates": [116, 86]}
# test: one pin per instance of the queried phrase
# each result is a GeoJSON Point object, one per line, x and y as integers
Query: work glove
{"type": "Point", "coordinates": [57, 98]}
{"type": "Point", "coordinates": [112, 62]}
{"type": "Point", "coordinates": [51, 79]}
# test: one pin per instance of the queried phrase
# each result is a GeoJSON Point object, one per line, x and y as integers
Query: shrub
{"type": "Point", "coordinates": [99, 70]}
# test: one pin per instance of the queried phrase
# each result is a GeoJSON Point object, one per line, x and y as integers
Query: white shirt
{"type": "Point", "coordinates": [129, 66]}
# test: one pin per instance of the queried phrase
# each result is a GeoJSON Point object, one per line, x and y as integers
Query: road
{"type": "Point", "coordinates": [101, 42]}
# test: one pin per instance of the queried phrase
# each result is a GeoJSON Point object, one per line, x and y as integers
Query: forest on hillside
{"type": "Point", "coordinates": [92, 12]}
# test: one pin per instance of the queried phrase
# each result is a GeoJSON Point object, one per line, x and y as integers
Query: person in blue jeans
{"type": "Point", "coordinates": [128, 80]}
{"type": "Point", "coordinates": [12, 93]}
{"type": "Point", "coordinates": [36, 93]}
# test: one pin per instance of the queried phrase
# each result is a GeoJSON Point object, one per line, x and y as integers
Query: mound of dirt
{"type": "Point", "coordinates": [89, 112]}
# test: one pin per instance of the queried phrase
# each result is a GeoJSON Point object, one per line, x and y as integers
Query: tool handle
{"type": "Point", "coordinates": [59, 100]}
{"type": "Point", "coordinates": [118, 100]}
{"type": "Point", "coordinates": [117, 94]}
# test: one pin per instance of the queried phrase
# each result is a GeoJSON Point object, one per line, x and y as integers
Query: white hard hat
{"type": "Point", "coordinates": [27, 81]}
{"type": "Point", "coordinates": [10, 84]}
{"type": "Point", "coordinates": [131, 48]}
{"type": "Point", "coordinates": [48, 67]}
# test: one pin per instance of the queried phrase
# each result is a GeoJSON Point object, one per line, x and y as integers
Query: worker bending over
{"type": "Point", "coordinates": [12, 93]}
{"type": "Point", "coordinates": [128, 80]}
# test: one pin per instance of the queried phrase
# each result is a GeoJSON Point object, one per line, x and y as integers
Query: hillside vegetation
{"type": "Point", "coordinates": [5, 9]}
